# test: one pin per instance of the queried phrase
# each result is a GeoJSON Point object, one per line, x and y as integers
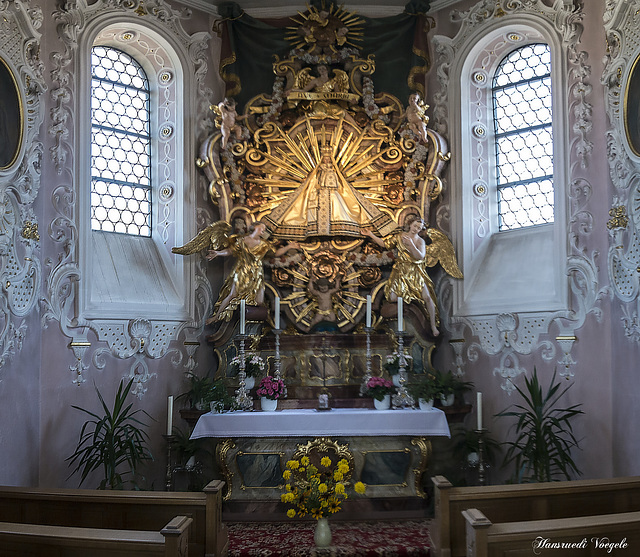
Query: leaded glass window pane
{"type": "Point", "coordinates": [120, 144]}
{"type": "Point", "coordinates": [523, 137]}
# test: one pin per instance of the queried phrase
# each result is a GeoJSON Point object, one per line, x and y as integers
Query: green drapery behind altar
{"type": "Point", "coordinates": [399, 44]}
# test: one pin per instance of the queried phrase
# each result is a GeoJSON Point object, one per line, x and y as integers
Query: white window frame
{"type": "Point", "coordinates": [520, 270]}
{"type": "Point", "coordinates": [127, 276]}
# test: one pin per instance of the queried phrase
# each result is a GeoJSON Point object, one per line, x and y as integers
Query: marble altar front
{"type": "Point", "coordinates": [390, 449]}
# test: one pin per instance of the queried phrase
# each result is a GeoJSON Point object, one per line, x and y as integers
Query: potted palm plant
{"type": "Point", "coordinates": [541, 451]}
{"type": "Point", "coordinates": [114, 442]}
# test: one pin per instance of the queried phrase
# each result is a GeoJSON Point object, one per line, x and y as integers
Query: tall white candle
{"type": "Point", "coordinates": [170, 415]}
{"type": "Point", "coordinates": [276, 317]}
{"type": "Point", "coordinates": [479, 409]}
{"type": "Point", "coordinates": [368, 310]}
{"type": "Point", "coordinates": [400, 319]}
{"type": "Point", "coordinates": [243, 308]}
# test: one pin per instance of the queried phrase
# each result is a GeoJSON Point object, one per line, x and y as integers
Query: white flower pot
{"type": "Point", "coordinates": [268, 405]}
{"type": "Point", "coordinates": [425, 404]}
{"type": "Point", "coordinates": [217, 406]}
{"type": "Point", "coordinates": [383, 404]}
{"type": "Point", "coordinates": [448, 400]}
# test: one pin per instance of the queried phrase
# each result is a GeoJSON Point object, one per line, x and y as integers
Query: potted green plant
{"type": "Point", "coordinates": [544, 439]}
{"type": "Point", "coordinates": [424, 389]}
{"type": "Point", "coordinates": [466, 445]}
{"type": "Point", "coordinates": [450, 387]}
{"type": "Point", "coordinates": [114, 442]}
{"type": "Point", "coordinates": [199, 389]}
{"type": "Point", "coordinates": [217, 398]}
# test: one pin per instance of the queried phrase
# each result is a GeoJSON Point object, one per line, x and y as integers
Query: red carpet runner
{"type": "Point", "coordinates": [388, 539]}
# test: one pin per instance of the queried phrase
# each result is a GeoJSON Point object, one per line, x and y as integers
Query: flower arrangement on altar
{"type": "Point", "coordinates": [271, 388]}
{"type": "Point", "coordinates": [317, 490]}
{"type": "Point", "coordinates": [392, 364]}
{"type": "Point", "coordinates": [378, 388]}
{"type": "Point", "coordinates": [254, 365]}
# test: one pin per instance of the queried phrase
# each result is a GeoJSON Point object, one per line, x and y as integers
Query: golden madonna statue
{"type": "Point", "coordinates": [325, 204]}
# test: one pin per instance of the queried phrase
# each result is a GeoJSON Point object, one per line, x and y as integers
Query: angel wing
{"type": "Point", "coordinates": [341, 81]}
{"type": "Point", "coordinates": [441, 251]}
{"type": "Point", "coordinates": [218, 113]}
{"type": "Point", "coordinates": [422, 108]}
{"type": "Point", "coordinates": [303, 77]}
{"type": "Point", "coordinates": [215, 236]}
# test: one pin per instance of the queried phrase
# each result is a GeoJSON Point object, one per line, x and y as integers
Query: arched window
{"type": "Point", "coordinates": [133, 149]}
{"type": "Point", "coordinates": [523, 137]}
{"type": "Point", "coordinates": [510, 174]}
{"type": "Point", "coordinates": [120, 144]}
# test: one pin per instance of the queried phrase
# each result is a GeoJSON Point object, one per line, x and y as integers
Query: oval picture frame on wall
{"type": "Point", "coordinates": [11, 117]}
{"type": "Point", "coordinates": [631, 114]}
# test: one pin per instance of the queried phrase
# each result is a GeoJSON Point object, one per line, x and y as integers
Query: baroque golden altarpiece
{"type": "Point", "coordinates": [316, 185]}
{"type": "Point", "coordinates": [324, 189]}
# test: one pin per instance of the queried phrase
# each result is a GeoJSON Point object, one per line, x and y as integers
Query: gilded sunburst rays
{"type": "Point", "coordinates": [319, 29]}
{"type": "Point", "coordinates": [282, 159]}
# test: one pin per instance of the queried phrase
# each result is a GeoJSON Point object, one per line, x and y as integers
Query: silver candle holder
{"type": "Point", "coordinates": [402, 399]}
{"type": "Point", "coordinates": [243, 400]}
{"type": "Point", "coordinates": [367, 371]}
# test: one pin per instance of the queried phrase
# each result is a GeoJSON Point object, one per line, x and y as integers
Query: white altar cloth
{"type": "Point", "coordinates": [338, 422]}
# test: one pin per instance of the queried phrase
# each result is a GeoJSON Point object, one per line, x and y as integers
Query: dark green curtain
{"type": "Point", "coordinates": [399, 44]}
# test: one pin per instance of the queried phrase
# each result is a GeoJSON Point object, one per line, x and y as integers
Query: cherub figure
{"type": "Point", "coordinates": [409, 278]}
{"type": "Point", "coordinates": [320, 290]}
{"type": "Point", "coordinates": [416, 116]}
{"type": "Point", "coordinates": [246, 280]}
{"type": "Point", "coordinates": [228, 120]}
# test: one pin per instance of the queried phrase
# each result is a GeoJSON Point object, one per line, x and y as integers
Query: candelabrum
{"type": "Point", "coordinates": [243, 400]}
{"type": "Point", "coordinates": [482, 467]}
{"type": "Point", "coordinates": [402, 399]}
{"type": "Point", "coordinates": [168, 478]}
{"type": "Point", "coordinates": [277, 362]}
{"type": "Point", "coordinates": [367, 372]}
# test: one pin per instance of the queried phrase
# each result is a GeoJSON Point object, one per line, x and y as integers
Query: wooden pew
{"type": "Point", "coordinates": [122, 510]}
{"type": "Point", "coordinates": [585, 536]}
{"type": "Point", "coordinates": [511, 503]}
{"type": "Point", "coordinates": [39, 540]}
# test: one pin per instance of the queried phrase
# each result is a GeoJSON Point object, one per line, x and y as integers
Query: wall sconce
{"type": "Point", "coordinates": [566, 344]}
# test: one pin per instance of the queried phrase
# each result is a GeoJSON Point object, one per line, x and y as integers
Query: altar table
{"type": "Point", "coordinates": [390, 448]}
{"type": "Point", "coordinates": [337, 422]}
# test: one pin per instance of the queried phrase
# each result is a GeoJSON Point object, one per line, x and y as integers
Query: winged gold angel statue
{"type": "Point", "coordinates": [246, 280]}
{"type": "Point", "coordinates": [409, 278]}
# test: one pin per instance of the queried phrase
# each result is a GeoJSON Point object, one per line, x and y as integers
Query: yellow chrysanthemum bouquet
{"type": "Point", "coordinates": [317, 490]}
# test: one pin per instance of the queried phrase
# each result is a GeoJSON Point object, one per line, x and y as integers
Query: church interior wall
{"type": "Point", "coordinates": [39, 427]}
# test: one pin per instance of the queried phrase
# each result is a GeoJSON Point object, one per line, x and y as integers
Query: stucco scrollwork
{"type": "Point", "coordinates": [20, 271]}
{"type": "Point", "coordinates": [622, 19]}
{"type": "Point", "coordinates": [509, 336]}
{"type": "Point", "coordinates": [134, 340]}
